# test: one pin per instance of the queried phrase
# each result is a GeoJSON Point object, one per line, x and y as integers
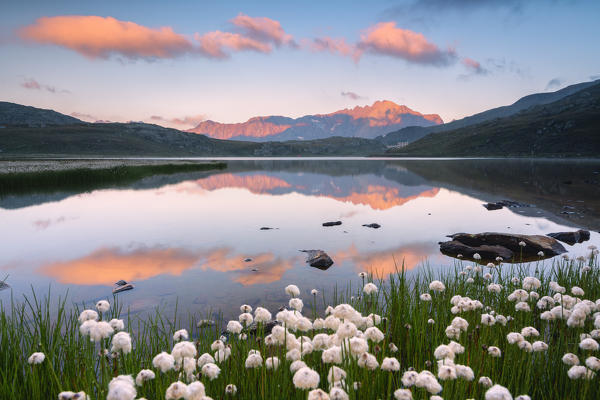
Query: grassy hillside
{"type": "Point", "coordinates": [413, 133]}
{"type": "Point", "coordinates": [569, 127]}
{"type": "Point", "coordinates": [138, 139]}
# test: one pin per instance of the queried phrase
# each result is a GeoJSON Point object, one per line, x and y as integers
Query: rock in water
{"type": "Point", "coordinates": [493, 206]}
{"type": "Point", "coordinates": [123, 288]}
{"type": "Point", "coordinates": [332, 223]}
{"type": "Point", "coordinates": [266, 228]}
{"type": "Point", "coordinates": [318, 259]}
{"type": "Point", "coordinates": [3, 285]}
{"type": "Point", "coordinates": [372, 225]}
{"type": "Point", "coordinates": [490, 245]}
{"type": "Point", "coordinates": [571, 238]}
{"type": "Point", "coordinates": [121, 283]}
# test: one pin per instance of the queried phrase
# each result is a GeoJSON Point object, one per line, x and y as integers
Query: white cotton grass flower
{"type": "Point", "coordinates": [593, 363]}
{"type": "Point", "coordinates": [254, 360]}
{"type": "Point", "coordinates": [36, 358]}
{"type": "Point", "coordinates": [121, 341]}
{"type": "Point", "coordinates": [180, 335]}
{"type": "Point", "coordinates": [589, 344]}
{"type": "Point", "coordinates": [443, 351]}
{"type": "Point", "coordinates": [523, 396]}
{"type": "Point", "coordinates": [409, 378]}
{"type": "Point", "coordinates": [431, 321]}
{"type": "Point", "coordinates": [485, 382]}
{"type": "Point", "coordinates": [522, 306]}
{"type": "Point", "coordinates": [539, 346]}
{"type": "Point", "coordinates": [296, 365]}
{"type": "Point", "coordinates": [494, 351]}
{"type": "Point", "coordinates": [296, 304]}
{"type": "Point", "coordinates": [390, 364]}
{"type": "Point", "coordinates": [346, 329]}
{"type": "Point", "coordinates": [217, 345]}
{"type": "Point", "coordinates": [437, 286]}
{"type": "Point", "coordinates": [246, 319]}
{"type": "Point", "coordinates": [514, 337]}
{"type": "Point", "coordinates": [403, 394]}
{"type": "Point", "coordinates": [464, 372]}
{"type": "Point", "coordinates": [245, 308]}
{"type": "Point", "coordinates": [230, 389]}
{"type": "Point", "coordinates": [425, 297]}
{"type": "Point", "coordinates": [234, 327]}
{"type": "Point", "coordinates": [446, 372]}
{"type": "Point", "coordinates": [87, 315]}
{"type": "Point", "coordinates": [370, 288]}
{"type": "Point", "coordinates": [531, 283]}
{"type": "Point", "coordinates": [102, 306]}
{"type": "Point", "coordinates": [577, 291]}
{"type": "Point", "coordinates": [570, 359]}
{"type": "Point", "coordinates": [306, 378]}
{"type": "Point", "coordinates": [292, 290]}
{"type": "Point", "coordinates": [318, 394]}
{"type": "Point", "coordinates": [73, 396]}
{"type": "Point", "coordinates": [498, 392]}
{"type": "Point", "coordinates": [164, 362]}
{"type": "Point", "coordinates": [205, 359]}
{"type": "Point", "coordinates": [144, 375]}
{"type": "Point", "coordinates": [183, 349]}
{"type": "Point", "coordinates": [487, 319]}
{"type": "Point", "coordinates": [210, 370]}
{"type": "Point", "coordinates": [476, 256]}
{"type": "Point", "coordinates": [262, 315]}
{"type": "Point", "coordinates": [272, 363]}
{"type": "Point", "coordinates": [580, 372]}
{"type": "Point", "coordinates": [196, 391]}
{"type": "Point", "coordinates": [220, 356]}
{"type": "Point", "coordinates": [332, 355]}
{"type": "Point", "coordinates": [522, 244]}
{"type": "Point", "coordinates": [374, 334]}
{"type": "Point", "coordinates": [117, 324]}
{"type": "Point", "coordinates": [121, 387]}
{"type": "Point", "coordinates": [425, 379]}
{"type": "Point", "coordinates": [177, 390]}
{"type": "Point", "coordinates": [100, 330]}
{"type": "Point", "coordinates": [338, 393]}
{"type": "Point", "coordinates": [368, 361]}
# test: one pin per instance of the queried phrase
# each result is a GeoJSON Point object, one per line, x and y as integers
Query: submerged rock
{"type": "Point", "coordinates": [332, 223]}
{"type": "Point", "coordinates": [571, 238]}
{"type": "Point", "coordinates": [247, 259]}
{"type": "Point", "coordinates": [373, 225]}
{"type": "Point", "coordinates": [318, 259]}
{"type": "Point", "coordinates": [490, 245]}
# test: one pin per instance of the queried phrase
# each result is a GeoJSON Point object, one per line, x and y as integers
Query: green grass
{"type": "Point", "coordinates": [89, 178]}
{"type": "Point", "coordinates": [73, 362]}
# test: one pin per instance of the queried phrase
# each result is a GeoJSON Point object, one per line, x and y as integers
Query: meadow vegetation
{"type": "Point", "coordinates": [495, 331]}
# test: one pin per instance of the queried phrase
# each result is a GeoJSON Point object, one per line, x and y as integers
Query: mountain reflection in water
{"type": "Point", "coordinates": [186, 236]}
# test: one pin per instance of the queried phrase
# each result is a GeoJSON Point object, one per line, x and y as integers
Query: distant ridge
{"type": "Point", "coordinates": [568, 127]}
{"type": "Point", "coordinates": [364, 122]}
{"type": "Point", "coordinates": [411, 134]}
{"type": "Point", "coordinates": [12, 114]}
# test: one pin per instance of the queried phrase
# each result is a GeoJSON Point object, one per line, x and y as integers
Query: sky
{"type": "Point", "coordinates": [179, 62]}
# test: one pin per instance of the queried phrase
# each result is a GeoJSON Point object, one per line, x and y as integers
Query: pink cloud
{"type": "Point", "coordinates": [187, 121]}
{"type": "Point", "coordinates": [331, 45]}
{"type": "Point", "coordinates": [31, 83]}
{"type": "Point", "coordinates": [101, 37]}
{"type": "Point", "coordinates": [352, 95]}
{"type": "Point", "coordinates": [385, 38]}
{"type": "Point", "coordinates": [474, 66]}
{"type": "Point", "coordinates": [216, 44]}
{"type": "Point", "coordinates": [263, 29]}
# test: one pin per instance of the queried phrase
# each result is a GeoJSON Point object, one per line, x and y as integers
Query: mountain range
{"type": "Point", "coordinates": [364, 122]}
{"type": "Point", "coordinates": [561, 123]}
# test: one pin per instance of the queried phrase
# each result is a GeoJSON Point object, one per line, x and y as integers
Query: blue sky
{"type": "Point", "coordinates": [520, 46]}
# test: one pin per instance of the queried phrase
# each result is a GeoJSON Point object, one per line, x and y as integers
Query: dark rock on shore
{"type": "Point", "coordinates": [318, 259]}
{"type": "Point", "coordinates": [332, 223]}
{"type": "Point", "coordinates": [571, 238]}
{"type": "Point", "coordinates": [372, 225]}
{"type": "Point", "coordinates": [490, 245]}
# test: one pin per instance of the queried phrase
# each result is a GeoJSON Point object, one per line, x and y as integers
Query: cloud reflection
{"type": "Point", "coordinates": [108, 265]}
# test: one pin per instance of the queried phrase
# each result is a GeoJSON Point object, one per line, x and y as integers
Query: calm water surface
{"type": "Point", "coordinates": [185, 237]}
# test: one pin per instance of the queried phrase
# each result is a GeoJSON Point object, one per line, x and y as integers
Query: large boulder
{"type": "Point", "coordinates": [571, 238]}
{"type": "Point", "coordinates": [490, 245]}
{"type": "Point", "coordinates": [318, 259]}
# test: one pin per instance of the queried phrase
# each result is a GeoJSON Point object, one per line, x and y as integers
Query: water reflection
{"type": "Point", "coordinates": [186, 236]}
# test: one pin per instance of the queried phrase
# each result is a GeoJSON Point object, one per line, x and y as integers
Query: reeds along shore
{"type": "Point", "coordinates": [490, 332]}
